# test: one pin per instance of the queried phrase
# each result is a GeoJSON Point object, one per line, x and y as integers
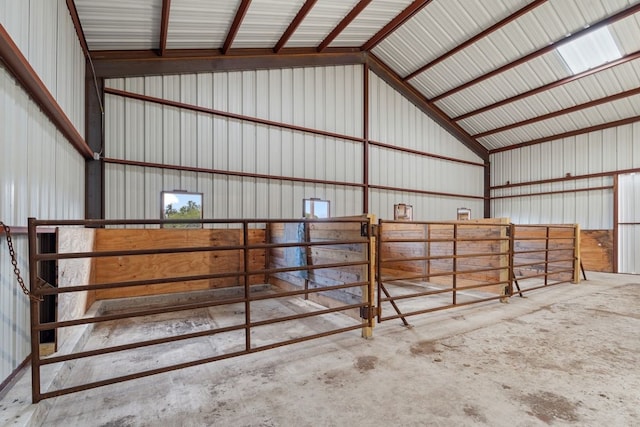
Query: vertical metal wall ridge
{"type": "Point", "coordinates": [41, 173]}
{"type": "Point", "coordinates": [605, 151]}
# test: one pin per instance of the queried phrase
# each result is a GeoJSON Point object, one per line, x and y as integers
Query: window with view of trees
{"type": "Point", "coordinates": [181, 205]}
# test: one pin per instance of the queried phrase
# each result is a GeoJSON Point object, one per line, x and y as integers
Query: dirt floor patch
{"type": "Point", "coordinates": [424, 348]}
{"type": "Point", "coordinates": [128, 421]}
{"type": "Point", "coordinates": [548, 406]}
{"type": "Point", "coordinates": [474, 413]}
{"type": "Point", "coordinates": [366, 363]}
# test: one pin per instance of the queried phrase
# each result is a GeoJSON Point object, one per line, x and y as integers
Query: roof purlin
{"type": "Point", "coordinates": [548, 48]}
{"type": "Point", "coordinates": [549, 86]}
{"type": "Point", "coordinates": [295, 23]}
{"type": "Point", "coordinates": [357, 9]}
{"type": "Point", "coordinates": [477, 37]}
{"type": "Point", "coordinates": [235, 26]}
{"type": "Point", "coordinates": [395, 23]}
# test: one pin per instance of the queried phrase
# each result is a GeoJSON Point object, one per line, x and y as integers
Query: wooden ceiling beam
{"type": "Point", "coordinates": [549, 86]}
{"type": "Point", "coordinates": [569, 134]}
{"type": "Point", "coordinates": [562, 112]}
{"type": "Point", "coordinates": [235, 26]}
{"type": "Point", "coordinates": [164, 26]}
{"type": "Point", "coordinates": [509, 19]}
{"type": "Point", "coordinates": [293, 26]}
{"type": "Point", "coordinates": [395, 23]}
{"type": "Point", "coordinates": [413, 95]}
{"type": "Point", "coordinates": [548, 48]}
{"type": "Point", "coordinates": [357, 9]}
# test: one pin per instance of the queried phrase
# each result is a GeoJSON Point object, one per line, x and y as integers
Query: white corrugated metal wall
{"type": "Point", "coordinates": [396, 121]}
{"type": "Point", "coordinates": [327, 98]}
{"type": "Point", "coordinates": [629, 227]}
{"type": "Point", "coordinates": [607, 150]}
{"type": "Point", "coordinates": [41, 174]}
{"type": "Point", "coordinates": [323, 98]}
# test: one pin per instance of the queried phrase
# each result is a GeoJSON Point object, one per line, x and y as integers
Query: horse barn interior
{"type": "Point", "coordinates": [319, 212]}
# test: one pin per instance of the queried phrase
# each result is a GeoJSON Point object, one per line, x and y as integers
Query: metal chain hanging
{"type": "Point", "coordinates": [14, 262]}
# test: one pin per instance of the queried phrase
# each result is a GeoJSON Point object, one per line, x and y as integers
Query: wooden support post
{"type": "Point", "coordinates": [576, 254]}
{"type": "Point", "coordinates": [368, 292]}
{"type": "Point", "coordinates": [506, 272]}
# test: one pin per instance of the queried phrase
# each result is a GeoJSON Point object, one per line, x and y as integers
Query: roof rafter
{"type": "Point", "coordinates": [477, 37]}
{"type": "Point", "coordinates": [396, 22]}
{"type": "Point", "coordinates": [357, 9]}
{"type": "Point", "coordinates": [293, 26]}
{"type": "Point", "coordinates": [548, 48]}
{"type": "Point", "coordinates": [235, 26]}
{"type": "Point", "coordinates": [562, 112]}
{"type": "Point", "coordinates": [576, 132]}
{"type": "Point", "coordinates": [549, 86]}
{"type": "Point", "coordinates": [164, 26]}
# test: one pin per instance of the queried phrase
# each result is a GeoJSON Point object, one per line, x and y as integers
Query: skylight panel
{"type": "Point", "coordinates": [590, 51]}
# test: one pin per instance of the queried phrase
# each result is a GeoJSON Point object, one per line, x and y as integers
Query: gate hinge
{"type": "Point", "coordinates": [368, 312]}
{"type": "Point", "coordinates": [364, 230]}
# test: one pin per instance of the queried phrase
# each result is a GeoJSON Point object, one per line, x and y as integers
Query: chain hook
{"type": "Point", "coordinates": [14, 263]}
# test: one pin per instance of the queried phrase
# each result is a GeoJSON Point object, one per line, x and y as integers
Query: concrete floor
{"type": "Point", "coordinates": [567, 355]}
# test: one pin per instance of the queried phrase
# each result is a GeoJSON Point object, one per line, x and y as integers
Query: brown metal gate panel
{"type": "Point", "coordinates": [226, 289]}
{"type": "Point", "coordinates": [428, 266]}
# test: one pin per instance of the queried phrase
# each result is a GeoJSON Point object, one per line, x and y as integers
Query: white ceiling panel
{"type": "Point", "coordinates": [120, 24]}
{"type": "Point", "coordinates": [594, 116]}
{"type": "Point", "coordinates": [321, 20]}
{"type": "Point", "coordinates": [196, 24]}
{"type": "Point", "coordinates": [265, 22]}
{"type": "Point", "coordinates": [375, 16]}
{"type": "Point", "coordinates": [435, 30]}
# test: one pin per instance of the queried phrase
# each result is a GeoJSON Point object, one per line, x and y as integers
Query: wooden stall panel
{"type": "Point", "coordinates": [486, 242]}
{"type": "Point", "coordinates": [301, 256]}
{"type": "Point", "coordinates": [402, 251]}
{"type": "Point", "coordinates": [159, 266]}
{"type": "Point", "coordinates": [596, 250]}
{"type": "Point", "coordinates": [530, 245]}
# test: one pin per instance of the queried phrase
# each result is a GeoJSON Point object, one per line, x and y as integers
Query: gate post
{"type": "Point", "coordinates": [576, 253]}
{"type": "Point", "coordinates": [368, 294]}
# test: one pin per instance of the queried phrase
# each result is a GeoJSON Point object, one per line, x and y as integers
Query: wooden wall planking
{"type": "Point", "coordinates": [74, 272]}
{"type": "Point", "coordinates": [158, 266]}
{"type": "Point", "coordinates": [318, 255]}
{"type": "Point", "coordinates": [492, 229]}
{"type": "Point", "coordinates": [596, 250]}
{"type": "Point", "coordinates": [561, 242]}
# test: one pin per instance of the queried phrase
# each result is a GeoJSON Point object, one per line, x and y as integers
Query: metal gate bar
{"type": "Point", "coordinates": [549, 263]}
{"type": "Point", "coordinates": [461, 257]}
{"type": "Point", "coordinates": [39, 289]}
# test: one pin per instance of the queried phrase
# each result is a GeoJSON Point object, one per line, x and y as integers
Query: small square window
{"type": "Point", "coordinates": [181, 205]}
{"type": "Point", "coordinates": [316, 208]}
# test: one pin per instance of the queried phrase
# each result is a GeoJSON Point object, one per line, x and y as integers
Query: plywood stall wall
{"type": "Point", "coordinates": [493, 247]}
{"type": "Point", "coordinates": [74, 272]}
{"type": "Point", "coordinates": [596, 250]}
{"type": "Point", "coordinates": [560, 256]}
{"type": "Point", "coordinates": [158, 266]}
{"type": "Point", "coordinates": [316, 255]}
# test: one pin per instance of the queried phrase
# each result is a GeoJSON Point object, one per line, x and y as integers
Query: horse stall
{"type": "Point", "coordinates": [146, 297]}
{"type": "Point", "coordinates": [428, 266]}
{"type": "Point", "coordinates": [545, 255]}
